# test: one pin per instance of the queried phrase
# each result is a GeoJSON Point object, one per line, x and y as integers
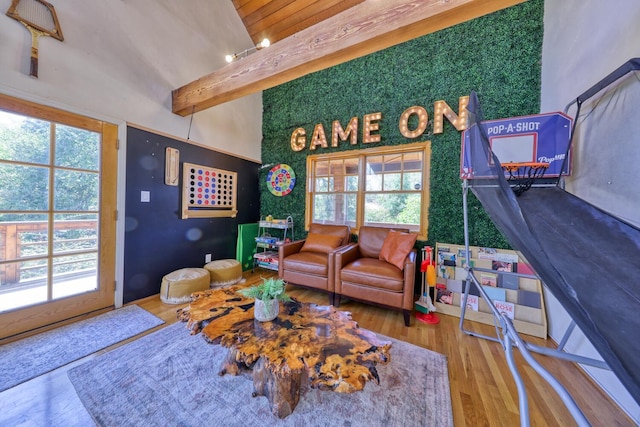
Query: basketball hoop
{"type": "Point", "coordinates": [523, 174]}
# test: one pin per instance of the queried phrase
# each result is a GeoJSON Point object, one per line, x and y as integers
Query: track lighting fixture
{"type": "Point", "coordinates": [239, 55]}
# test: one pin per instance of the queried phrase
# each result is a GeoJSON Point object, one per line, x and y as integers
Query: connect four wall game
{"type": "Point", "coordinates": [208, 192]}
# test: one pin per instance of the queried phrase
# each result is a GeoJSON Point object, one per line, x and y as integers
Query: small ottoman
{"type": "Point", "coordinates": [224, 272]}
{"type": "Point", "coordinates": [178, 285]}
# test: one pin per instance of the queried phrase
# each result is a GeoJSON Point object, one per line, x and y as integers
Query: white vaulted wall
{"type": "Point", "coordinates": [583, 42]}
{"type": "Point", "coordinates": [121, 59]}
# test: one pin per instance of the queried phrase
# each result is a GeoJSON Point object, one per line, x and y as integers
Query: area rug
{"type": "Point", "coordinates": [171, 378]}
{"type": "Point", "coordinates": [28, 358]}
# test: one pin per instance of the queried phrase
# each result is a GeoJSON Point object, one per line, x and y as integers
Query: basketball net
{"type": "Point", "coordinates": [523, 174]}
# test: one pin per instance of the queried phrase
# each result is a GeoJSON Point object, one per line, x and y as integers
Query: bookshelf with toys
{"type": "Point", "coordinates": [507, 279]}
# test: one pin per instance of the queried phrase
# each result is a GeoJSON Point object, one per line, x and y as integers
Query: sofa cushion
{"type": "Point", "coordinates": [396, 247]}
{"type": "Point", "coordinates": [307, 262]}
{"type": "Point", "coordinates": [370, 240]}
{"type": "Point", "coordinates": [321, 243]}
{"type": "Point", "coordinates": [343, 231]}
{"type": "Point", "coordinates": [371, 272]}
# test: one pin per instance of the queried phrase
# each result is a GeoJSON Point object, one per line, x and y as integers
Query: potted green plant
{"type": "Point", "coordinates": [268, 295]}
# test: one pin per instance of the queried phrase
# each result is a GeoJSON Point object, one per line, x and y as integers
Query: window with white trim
{"type": "Point", "coordinates": [382, 186]}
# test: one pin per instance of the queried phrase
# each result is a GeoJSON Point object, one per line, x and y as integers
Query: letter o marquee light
{"type": "Point", "coordinates": [423, 118]}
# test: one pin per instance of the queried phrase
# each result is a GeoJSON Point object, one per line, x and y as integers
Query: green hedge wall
{"type": "Point", "coordinates": [497, 55]}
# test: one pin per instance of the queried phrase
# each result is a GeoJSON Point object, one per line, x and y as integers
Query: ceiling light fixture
{"type": "Point", "coordinates": [264, 43]}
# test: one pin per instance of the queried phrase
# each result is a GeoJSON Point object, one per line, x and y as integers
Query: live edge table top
{"type": "Point", "coordinates": [306, 345]}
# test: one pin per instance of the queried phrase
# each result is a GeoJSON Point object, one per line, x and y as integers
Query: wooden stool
{"type": "Point", "coordinates": [224, 272]}
{"type": "Point", "coordinates": [178, 285]}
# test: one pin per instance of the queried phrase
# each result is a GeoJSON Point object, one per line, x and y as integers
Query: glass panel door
{"type": "Point", "coordinates": [51, 224]}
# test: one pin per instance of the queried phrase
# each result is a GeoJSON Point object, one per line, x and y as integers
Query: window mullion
{"type": "Point", "coordinates": [360, 198]}
{"type": "Point", "coordinates": [52, 157]}
{"type": "Point", "coordinates": [402, 171]}
{"type": "Point", "coordinates": [311, 177]}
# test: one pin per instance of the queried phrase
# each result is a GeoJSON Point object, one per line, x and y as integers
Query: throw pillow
{"type": "Point", "coordinates": [323, 243]}
{"type": "Point", "coordinates": [396, 247]}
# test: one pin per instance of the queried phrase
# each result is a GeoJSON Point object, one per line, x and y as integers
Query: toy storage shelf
{"type": "Point", "coordinates": [523, 294]}
{"type": "Point", "coordinates": [271, 234]}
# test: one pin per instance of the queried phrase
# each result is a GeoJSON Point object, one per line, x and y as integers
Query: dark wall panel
{"type": "Point", "coordinates": [157, 240]}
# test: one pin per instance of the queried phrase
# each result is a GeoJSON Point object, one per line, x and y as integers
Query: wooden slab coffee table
{"type": "Point", "coordinates": [305, 346]}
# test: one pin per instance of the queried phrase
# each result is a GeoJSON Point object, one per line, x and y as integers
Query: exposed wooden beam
{"type": "Point", "coordinates": [368, 27]}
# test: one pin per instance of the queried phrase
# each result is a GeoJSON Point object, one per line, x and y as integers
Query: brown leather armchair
{"type": "Point", "coordinates": [361, 274]}
{"type": "Point", "coordinates": [310, 262]}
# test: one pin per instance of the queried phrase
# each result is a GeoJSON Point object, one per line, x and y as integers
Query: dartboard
{"type": "Point", "coordinates": [281, 179]}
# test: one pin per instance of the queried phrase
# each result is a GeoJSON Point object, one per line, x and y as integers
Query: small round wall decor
{"type": "Point", "coordinates": [281, 179]}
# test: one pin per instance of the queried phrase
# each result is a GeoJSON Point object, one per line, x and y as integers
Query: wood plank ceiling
{"type": "Point", "coordinates": [311, 35]}
{"type": "Point", "coordinates": [278, 19]}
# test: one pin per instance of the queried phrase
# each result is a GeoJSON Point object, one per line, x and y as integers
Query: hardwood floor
{"type": "Point", "coordinates": [483, 392]}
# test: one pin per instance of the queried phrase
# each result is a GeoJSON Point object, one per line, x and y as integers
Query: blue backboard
{"type": "Point", "coordinates": [536, 138]}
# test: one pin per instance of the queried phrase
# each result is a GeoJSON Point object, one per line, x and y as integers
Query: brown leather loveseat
{"type": "Point", "coordinates": [380, 269]}
{"type": "Point", "coordinates": [310, 262]}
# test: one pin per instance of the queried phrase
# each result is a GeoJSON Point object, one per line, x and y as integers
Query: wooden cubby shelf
{"type": "Point", "coordinates": [522, 295]}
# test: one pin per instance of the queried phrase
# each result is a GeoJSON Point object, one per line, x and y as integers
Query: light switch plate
{"type": "Point", "coordinates": [145, 196]}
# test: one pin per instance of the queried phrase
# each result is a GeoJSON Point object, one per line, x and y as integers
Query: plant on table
{"type": "Point", "coordinates": [267, 295]}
